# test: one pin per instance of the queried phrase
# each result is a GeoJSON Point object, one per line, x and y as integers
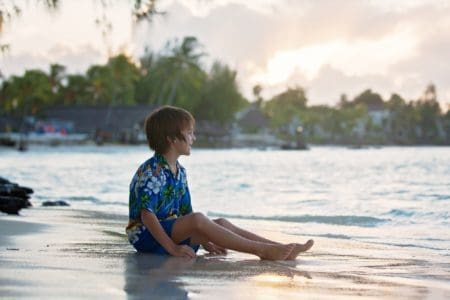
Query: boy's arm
{"type": "Point", "coordinates": [151, 222]}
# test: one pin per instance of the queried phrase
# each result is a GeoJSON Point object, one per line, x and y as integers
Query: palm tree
{"type": "Point", "coordinates": [180, 70]}
{"type": "Point", "coordinates": [56, 78]}
{"type": "Point", "coordinates": [257, 89]}
{"type": "Point", "coordinates": [430, 93]}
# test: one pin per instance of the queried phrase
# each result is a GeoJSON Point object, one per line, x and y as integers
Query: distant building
{"type": "Point", "coordinates": [378, 114]}
{"type": "Point", "coordinates": [104, 123]}
{"type": "Point", "coordinates": [212, 134]}
{"type": "Point", "coordinates": [374, 126]}
{"type": "Point", "coordinates": [251, 128]}
{"type": "Point", "coordinates": [125, 124]}
{"type": "Point", "coordinates": [252, 120]}
{"type": "Point", "coordinates": [8, 123]}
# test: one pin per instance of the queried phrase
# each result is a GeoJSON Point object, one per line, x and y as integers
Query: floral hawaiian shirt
{"type": "Point", "coordinates": [154, 187]}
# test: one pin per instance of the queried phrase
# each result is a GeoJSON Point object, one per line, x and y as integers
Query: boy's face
{"type": "Point", "coordinates": [183, 147]}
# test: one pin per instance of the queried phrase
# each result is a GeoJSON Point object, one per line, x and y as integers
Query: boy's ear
{"type": "Point", "coordinates": [170, 140]}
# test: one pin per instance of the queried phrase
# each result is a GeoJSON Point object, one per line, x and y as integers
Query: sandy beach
{"type": "Point", "coordinates": [62, 252]}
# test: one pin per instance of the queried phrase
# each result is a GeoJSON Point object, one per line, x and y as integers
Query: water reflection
{"type": "Point", "coordinates": [162, 277]}
{"type": "Point", "coordinates": [154, 276]}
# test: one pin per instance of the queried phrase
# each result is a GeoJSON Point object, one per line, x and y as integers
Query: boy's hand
{"type": "Point", "coordinates": [183, 251]}
{"type": "Point", "coordinates": [214, 249]}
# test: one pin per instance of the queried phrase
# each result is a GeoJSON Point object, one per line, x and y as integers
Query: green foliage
{"type": "Point", "coordinates": [403, 120]}
{"type": "Point", "coordinates": [76, 91]}
{"type": "Point", "coordinates": [349, 116]}
{"type": "Point", "coordinates": [366, 98]}
{"type": "Point", "coordinates": [416, 122]}
{"type": "Point", "coordinates": [284, 107]}
{"type": "Point", "coordinates": [113, 83]}
{"type": "Point", "coordinates": [446, 126]}
{"type": "Point", "coordinates": [183, 76]}
{"type": "Point", "coordinates": [220, 97]}
{"type": "Point", "coordinates": [147, 84]}
{"type": "Point", "coordinates": [28, 94]}
{"type": "Point", "coordinates": [101, 84]}
{"type": "Point", "coordinates": [125, 75]}
{"type": "Point", "coordinates": [320, 123]}
{"type": "Point", "coordinates": [328, 124]}
{"type": "Point", "coordinates": [428, 113]}
{"type": "Point", "coordinates": [173, 76]}
{"type": "Point", "coordinates": [367, 119]}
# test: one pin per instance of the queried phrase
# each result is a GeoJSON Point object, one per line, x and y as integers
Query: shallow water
{"type": "Point", "coordinates": [385, 196]}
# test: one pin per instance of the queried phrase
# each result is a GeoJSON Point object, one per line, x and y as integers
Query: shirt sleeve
{"type": "Point", "coordinates": [148, 191]}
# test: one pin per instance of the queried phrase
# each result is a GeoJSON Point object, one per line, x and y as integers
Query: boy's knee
{"type": "Point", "coordinates": [221, 221]}
{"type": "Point", "coordinates": [199, 219]}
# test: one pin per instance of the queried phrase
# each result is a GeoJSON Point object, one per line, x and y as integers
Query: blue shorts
{"type": "Point", "coordinates": [147, 243]}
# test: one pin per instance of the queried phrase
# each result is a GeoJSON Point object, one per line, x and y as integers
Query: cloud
{"type": "Point", "coordinates": [230, 33]}
{"type": "Point", "coordinates": [330, 83]}
{"type": "Point", "coordinates": [204, 8]}
{"type": "Point", "coordinates": [431, 64]}
{"type": "Point", "coordinates": [357, 58]}
{"type": "Point", "coordinates": [77, 59]}
{"type": "Point", "coordinates": [354, 43]}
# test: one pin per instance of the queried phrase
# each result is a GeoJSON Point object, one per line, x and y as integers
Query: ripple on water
{"type": "Point", "coordinates": [361, 221]}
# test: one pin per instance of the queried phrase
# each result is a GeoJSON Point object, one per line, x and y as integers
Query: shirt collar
{"type": "Point", "coordinates": [163, 162]}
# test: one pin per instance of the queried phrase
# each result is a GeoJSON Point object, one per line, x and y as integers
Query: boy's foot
{"type": "Point", "coordinates": [276, 251]}
{"type": "Point", "coordinates": [299, 248]}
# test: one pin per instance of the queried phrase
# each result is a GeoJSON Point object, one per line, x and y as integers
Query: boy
{"type": "Point", "coordinates": [160, 210]}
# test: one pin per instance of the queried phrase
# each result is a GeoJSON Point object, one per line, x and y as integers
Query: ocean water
{"type": "Point", "coordinates": [393, 196]}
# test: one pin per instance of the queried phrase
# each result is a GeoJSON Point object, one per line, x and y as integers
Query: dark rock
{"type": "Point", "coordinates": [55, 203]}
{"type": "Point", "coordinates": [13, 197]}
{"type": "Point", "coordinates": [4, 181]}
{"type": "Point", "coordinates": [12, 205]}
{"type": "Point", "coordinates": [27, 190]}
{"type": "Point", "coordinates": [11, 189]}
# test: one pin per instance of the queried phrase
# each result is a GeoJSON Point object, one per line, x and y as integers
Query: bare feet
{"type": "Point", "coordinates": [300, 248]}
{"type": "Point", "coordinates": [276, 251]}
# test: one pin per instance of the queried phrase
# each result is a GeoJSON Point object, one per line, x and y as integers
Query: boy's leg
{"type": "Point", "coordinates": [254, 237]}
{"type": "Point", "coordinates": [199, 228]}
{"type": "Point", "coordinates": [242, 232]}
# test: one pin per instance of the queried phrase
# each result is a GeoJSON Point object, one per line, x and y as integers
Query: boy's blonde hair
{"type": "Point", "coordinates": [166, 123]}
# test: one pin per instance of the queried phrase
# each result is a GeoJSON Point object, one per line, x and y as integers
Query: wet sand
{"type": "Point", "coordinates": [61, 252]}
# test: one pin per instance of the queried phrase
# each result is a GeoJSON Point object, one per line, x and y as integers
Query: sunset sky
{"type": "Point", "coordinates": [327, 47]}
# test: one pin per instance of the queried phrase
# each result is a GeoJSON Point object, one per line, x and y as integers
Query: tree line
{"type": "Point", "coordinates": [367, 119]}
{"type": "Point", "coordinates": [176, 76]}
{"type": "Point", "coordinates": [173, 76]}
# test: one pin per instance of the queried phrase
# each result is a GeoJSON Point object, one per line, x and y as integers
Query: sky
{"type": "Point", "coordinates": [328, 47]}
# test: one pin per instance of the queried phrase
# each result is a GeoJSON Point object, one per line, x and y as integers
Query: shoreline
{"type": "Point", "coordinates": [11, 141]}
{"type": "Point", "coordinates": [55, 252]}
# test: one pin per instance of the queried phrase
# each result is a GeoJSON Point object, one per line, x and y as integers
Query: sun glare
{"type": "Point", "coordinates": [352, 58]}
{"type": "Point", "coordinates": [306, 60]}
